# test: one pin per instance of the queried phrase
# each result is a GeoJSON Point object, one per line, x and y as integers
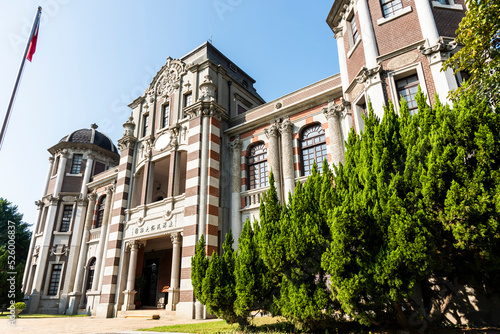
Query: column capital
{"type": "Point", "coordinates": [367, 73]}
{"type": "Point", "coordinates": [338, 32]}
{"type": "Point", "coordinates": [235, 144]}
{"type": "Point", "coordinates": [51, 160]}
{"type": "Point", "coordinates": [39, 204]}
{"type": "Point", "coordinates": [134, 245]}
{"type": "Point", "coordinates": [272, 131]}
{"type": "Point", "coordinates": [286, 126]}
{"type": "Point", "coordinates": [175, 238]}
{"type": "Point", "coordinates": [63, 153]}
{"type": "Point", "coordinates": [91, 156]}
{"type": "Point", "coordinates": [92, 197]}
{"type": "Point", "coordinates": [440, 46]}
{"type": "Point", "coordinates": [54, 200]}
{"type": "Point", "coordinates": [110, 189]}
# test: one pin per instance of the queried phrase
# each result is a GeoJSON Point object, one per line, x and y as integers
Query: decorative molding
{"type": "Point", "coordinates": [286, 126]}
{"type": "Point", "coordinates": [127, 141]}
{"type": "Point", "coordinates": [53, 200]}
{"type": "Point", "coordinates": [440, 46]}
{"type": "Point", "coordinates": [134, 244]}
{"type": "Point", "coordinates": [207, 90]}
{"type": "Point", "coordinates": [335, 110]}
{"type": "Point", "coordinates": [278, 105]}
{"type": "Point", "coordinates": [92, 197]}
{"type": "Point", "coordinates": [109, 190]}
{"type": "Point", "coordinates": [51, 160]}
{"type": "Point", "coordinates": [59, 250]}
{"type": "Point", "coordinates": [175, 238]}
{"type": "Point", "coordinates": [170, 76]}
{"type": "Point", "coordinates": [39, 204]}
{"type": "Point", "coordinates": [367, 73]}
{"type": "Point", "coordinates": [168, 140]}
{"type": "Point", "coordinates": [235, 144]}
{"type": "Point", "coordinates": [272, 131]}
{"type": "Point", "coordinates": [338, 32]}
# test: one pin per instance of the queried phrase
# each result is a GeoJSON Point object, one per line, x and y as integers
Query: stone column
{"type": "Point", "coordinates": [368, 34]}
{"type": "Point", "coordinates": [86, 176]}
{"type": "Point", "coordinates": [102, 238]}
{"type": "Point", "coordinates": [173, 293]}
{"type": "Point", "coordinates": [427, 23]}
{"type": "Point", "coordinates": [273, 156]}
{"type": "Point", "coordinates": [44, 253]}
{"type": "Point", "coordinates": [286, 128]}
{"type": "Point", "coordinates": [133, 247]}
{"type": "Point", "coordinates": [28, 272]}
{"type": "Point", "coordinates": [332, 114]}
{"type": "Point", "coordinates": [205, 137]}
{"type": "Point", "coordinates": [236, 222]}
{"type": "Point", "coordinates": [76, 300]}
{"type": "Point", "coordinates": [339, 36]}
{"type": "Point", "coordinates": [60, 172]}
{"type": "Point", "coordinates": [49, 174]}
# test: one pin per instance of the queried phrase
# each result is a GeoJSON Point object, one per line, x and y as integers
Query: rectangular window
{"type": "Point", "coordinates": [55, 277]}
{"type": "Point", "coordinates": [145, 125]}
{"type": "Point", "coordinates": [166, 116]}
{"type": "Point", "coordinates": [391, 7]}
{"type": "Point", "coordinates": [76, 167]}
{"type": "Point", "coordinates": [354, 31]}
{"type": "Point", "coordinates": [407, 88]}
{"type": "Point", "coordinates": [188, 99]}
{"type": "Point", "coordinates": [444, 2]}
{"type": "Point", "coordinates": [66, 218]}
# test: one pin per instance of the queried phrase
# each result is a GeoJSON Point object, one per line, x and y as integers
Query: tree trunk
{"type": "Point", "coordinates": [400, 316]}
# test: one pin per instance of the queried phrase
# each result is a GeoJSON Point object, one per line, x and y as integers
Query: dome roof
{"type": "Point", "coordinates": [90, 136]}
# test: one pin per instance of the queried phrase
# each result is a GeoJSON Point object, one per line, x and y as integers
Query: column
{"type": "Point", "coordinates": [205, 137]}
{"type": "Point", "coordinates": [133, 247]}
{"type": "Point", "coordinates": [60, 172]}
{"type": "Point", "coordinates": [368, 34]}
{"type": "Point", "coordinates": [49, 174]}
{"type": "Point", "coordinates": [339, 36]}
{"type": "Point", "coordinates": [236, 222]}
{"type": "Point", "coordinates": [102, 238]}
{"type": "Point", "coordinates": [427, 23]}
{"type": "Point", "coordinates": [332, 114]}
{"type": "Point", "coordinates": [286, 128]}
{"type": "Point", "coordinates": [173, 293]}
{"type": "Point", "coordinates": [273, 156]}
{"type": "Point", "coordinates": [28, 272]}
{"type": "Point", "coordinates": [86, 176]}
{"type": "Point", "coordinates": [76, 301]}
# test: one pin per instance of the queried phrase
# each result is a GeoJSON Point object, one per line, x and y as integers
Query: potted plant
{"type": "Point", "coordinates": [19, 307]}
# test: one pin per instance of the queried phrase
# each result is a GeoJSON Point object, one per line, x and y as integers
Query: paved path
{"type": "Point", "coordinates": [78, 325]}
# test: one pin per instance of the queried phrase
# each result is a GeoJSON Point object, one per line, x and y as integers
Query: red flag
{"type": "Point", "coordinates": [32, 48]}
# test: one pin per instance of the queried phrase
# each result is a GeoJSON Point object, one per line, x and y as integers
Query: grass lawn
{"type": "Point", "coordinates": [26, 316]}
{"type": "Point", "coordinates": [266, 325]}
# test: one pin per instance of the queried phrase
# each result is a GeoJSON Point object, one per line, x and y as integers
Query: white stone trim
{"type": "Point", "coordinates": [452, 5]}
{"type": "Point", "coordinates": [47, 280]}
{"type": "Point", "coordinates": [400, 13]}
{"type": "Point", "coordinates": [401, 73]}
{"type": "Point", "coordinates": [355, 46]}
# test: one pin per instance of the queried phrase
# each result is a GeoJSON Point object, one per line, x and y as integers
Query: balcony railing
{"type": "Point", "coordinates": [253, 197]}
{"type": "Point", "coordinates": [95, 234]}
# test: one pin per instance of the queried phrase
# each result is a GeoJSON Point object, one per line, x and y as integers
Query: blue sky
{"type": "Point", "coordinates": [95, 57]}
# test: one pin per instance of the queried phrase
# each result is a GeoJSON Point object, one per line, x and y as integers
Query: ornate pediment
{"type": "Point", "coordinates": [168, 78]}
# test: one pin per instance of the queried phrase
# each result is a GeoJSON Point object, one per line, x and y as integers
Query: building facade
{"type": "Point", "coordinates": [117, 228]}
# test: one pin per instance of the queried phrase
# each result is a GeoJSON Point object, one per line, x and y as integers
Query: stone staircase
{"type": "Point", "coordinates": [152, 314]}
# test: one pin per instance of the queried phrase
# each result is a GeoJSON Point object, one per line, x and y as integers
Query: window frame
{"type": "Point", "coordinates": [393, 12]}
{"type": "Point", "coordinates": [393, 76]}
{"type": "Point", "coordinates": [62, 221]}
{"type": "Point", "coordinates": [165, 121]}
{"type": "Point", "coordinates": [145, 124]}
{"type": "Point", "coordinates": [76, 168]}
{"type": "Point", "coordinates": [48, 279]}
{"type": "Point", "coordinates": [187, 96]}
{"type": "Point", "coordinates": [406, 88]}
{"type": "Point", "coordinates": [101, 206]}
{"type": "Point", "coordinates": [312, 146]}
{"type": "Point", "coordinates": [261, 164]}
{"type": "Point", "coordinates": [90, 268]}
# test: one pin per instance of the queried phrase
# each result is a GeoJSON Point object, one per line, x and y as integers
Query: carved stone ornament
{"type": "Point", "coordinates": [170, 76]}
{"type": "Point", "coordinates": [272, 131]}
{"type": "Point", "coordinates": [207, 89]}
{"type": "Point", "coordinates": [338, 32]}
{"type": "Point", "coordinates": [128, 139]}
{"type": "Point", "coordinates": [39, 204]}
{"type": "Point", "coordinates": [36, 253]}
{"type": "Point", "coordinates": [91, 197]}
{"type": "Point", "coordinates": [59, 250]}
{"type": "Point", "coordinates": [335, 110]}
{"type": "Point", "coordinates": [235, 144]}
{"type": "Point", "coordinates": [53, 200]}
{"type": "Point", "coordinates": [140, 221]}
{"type": "Point", "coordinates": [109, 190]}
{"type": "Point", "coordinates": [366, 73]}
{"type": "Point", "coordinates": [175, 238]}
{"type": "Point", "coordinates": [168, 215]}
{"type": "Point", "coordinates": [440, 46]}
{"type": "Point", "coordinates": [167, 140]}
{"type": "Point", "coordinates": [134, 244]}
{"type": "Point", "coordinates": [278, 105]}
{"type": "Point", "coordinates": [286, 126]}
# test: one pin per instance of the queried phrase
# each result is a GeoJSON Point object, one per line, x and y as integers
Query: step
{"type": "Point", "coordinates": [144, 316]}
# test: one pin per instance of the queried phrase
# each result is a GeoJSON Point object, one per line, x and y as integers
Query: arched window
{"type": "Point", "coordinates": [100, 212]}
{"type": "Point", "coordinates": [90, 276]}
{"type": "Point", "coordinates": [313, 148]}
{"type": "Point", "coordinates": [257, 167]}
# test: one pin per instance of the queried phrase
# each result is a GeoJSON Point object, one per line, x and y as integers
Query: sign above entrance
{"type": "Point", "coordinates": [150, 227]}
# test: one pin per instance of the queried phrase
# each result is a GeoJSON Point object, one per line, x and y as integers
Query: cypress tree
{"type": "Point", "coordinates": [199, 265]}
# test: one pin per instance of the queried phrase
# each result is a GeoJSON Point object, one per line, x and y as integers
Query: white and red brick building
{"type": "Point", "coordinates": [117, 228]}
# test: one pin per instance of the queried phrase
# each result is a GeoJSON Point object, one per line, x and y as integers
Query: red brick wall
{"type": "Point", "coordinates": [397, 33]}
{"type": "Point", "coordinates": [357, 59]}
{"type": "Point", "coordinates": [447, 20]}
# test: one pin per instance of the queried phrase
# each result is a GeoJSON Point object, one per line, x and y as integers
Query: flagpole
{"type": "Point", "coordinates": [19, 75]}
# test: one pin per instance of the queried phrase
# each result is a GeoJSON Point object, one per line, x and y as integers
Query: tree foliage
{"type": "Point", "coordinates": [479, 33]}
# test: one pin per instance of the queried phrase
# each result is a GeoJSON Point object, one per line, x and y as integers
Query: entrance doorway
{"type": "Point", "coordinates": [150, 274]}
